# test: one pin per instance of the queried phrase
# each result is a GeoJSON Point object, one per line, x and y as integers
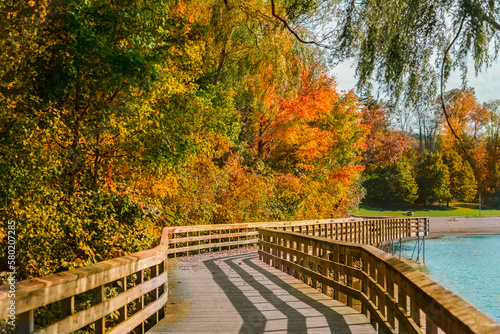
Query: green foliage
{"type": "Point", "coordinates": [393, 183]}
{"type": "Point", "coordinates": [403, 183]}
{"type": "Point", "coordinates": [463, 185]}
{"type": "Point", "coordinates": [433, 178]}
{"type": "Point", "coordinates": [118, 118]}
{"type": "Point", "coordinates": [452, 210]}
{"type": "Point", "coordinates": [396, 43]}
{"type": "Point", "coordinates": [54, 235]}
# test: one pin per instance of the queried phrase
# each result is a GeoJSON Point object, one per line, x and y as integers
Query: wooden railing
{"type": "Point", "coordinates": [191, 239]}
{"type": "Point", "coordinates": [124, 293]}
{"type": "Point", "coordinates": [396, 297]}
{"type": "Point", "coordinates": [129, 293]}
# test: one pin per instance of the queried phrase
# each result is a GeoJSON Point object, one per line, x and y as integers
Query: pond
{"type": "Point", "coordinates": [467, 265]}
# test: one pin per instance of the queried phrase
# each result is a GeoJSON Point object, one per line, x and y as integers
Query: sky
{"type": "Point", "coordinates": [486, 84]}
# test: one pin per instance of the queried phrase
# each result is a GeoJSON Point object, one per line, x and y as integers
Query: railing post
{"type": "Point", "coordinates": [351, 232]}
{"type": "Point", "coordinates": [68, 306]}
{"type": "Point", "coordinates": [175, 244]}
{"type": "Point", "coordinates": [349, 277]}
{"type": "Point", "coordinates": [26, 322]}
{"type": "Point", "coordinates": [100, 324]}
{"type": "Point", "coordinates": [139, 278]}
{"type": "Point", "coordinates": [199, 241]}
{"type": "Point", "coordinates": [122, 311]}
{"type": "Point", "coordinates": [336, 275]}
{"type": "Point", "coordinates": [381, 282]}
{"type": "Point", "coordinates": [402, 296]}
{"type": "Point", "coordinates": [415, 312]}
{"type": "Point", "coordinates": [373, 293]}
{"type": "Point", "coordinates": [364, 282]}
{"type": "Point", "coordinates": [162, 267]}
{"type": "Point", "coordinates": [430, 326]}
{"type": "Point", "coordinates": [390, 290]}
{"type": "Point", "coordinates": [153, 294]}
{"type": "Point", "coordinates": [363, 233]}
{"type": "Point", "coordinates": [324, 272]}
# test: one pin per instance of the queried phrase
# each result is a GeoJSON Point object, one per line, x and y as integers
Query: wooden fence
{"type": "Point", "coordinates": [396, 297]}
{"type": "Point", "coordinates": [129, 293]}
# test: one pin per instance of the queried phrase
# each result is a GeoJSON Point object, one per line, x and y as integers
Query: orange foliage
{"type": "Point", "coordinates": [384, 146]}
{"type": "Point", "coordinates": [467, 116]}
{"type": "Point", "coordinates": [312, 138]}
{"type": "Point", "coordinates": [480, 158]}
{"type": "Point", "coordinates": [301, 125]}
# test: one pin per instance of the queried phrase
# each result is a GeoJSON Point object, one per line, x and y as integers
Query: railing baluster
{"type": "Point", "coordinates": [431, 327]}
{"type": "Point", "coordinates": [349, 278]}
{"type": "Point", "coordinates": [415, 312]}
{"type": "Point", "coordinates": [68, 306]}
{"type": "Point", "coordinates": [122, 311]}
{"type": "Point", "coordinates": [100, 324]}
{"type": "Point", "coordinates": [26, 322]}
{"type": "Point", "coordinates": [139, 278]}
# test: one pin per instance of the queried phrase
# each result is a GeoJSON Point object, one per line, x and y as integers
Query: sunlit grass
{"type": "Point", "coordinates": [454, 210]}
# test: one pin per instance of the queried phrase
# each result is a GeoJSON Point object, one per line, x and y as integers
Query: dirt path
{"type": "Point", "coordinates": [444, 226]}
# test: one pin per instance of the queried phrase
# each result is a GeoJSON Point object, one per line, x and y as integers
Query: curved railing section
{"type": "Point", "coordinates": [125, 292]}
{"type": "Point", "coordinates": [129, 293]}
{"type": "Point", "coordinates": [394, 296]}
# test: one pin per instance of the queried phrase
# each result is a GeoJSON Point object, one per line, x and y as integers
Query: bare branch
{"type": "Point", "coordinates": [287, 26]}
{"type": "Point", "coordinates": [226, 2]}
{"type": "Point", "coordinates": [445, 57]}
{"type": "Point", "coordinates": [57, 142]}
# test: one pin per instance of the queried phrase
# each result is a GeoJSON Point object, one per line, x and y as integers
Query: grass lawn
{"type": "Point", "coordinates": [455, 210]}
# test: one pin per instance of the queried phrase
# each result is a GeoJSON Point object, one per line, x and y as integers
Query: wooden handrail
{"type": "Point", "coordinates": [139, 280]}
{"type": "Point", "coordinates": [396, 297]}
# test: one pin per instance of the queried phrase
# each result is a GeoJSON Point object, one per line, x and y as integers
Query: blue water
{"type": "Point", "coordinates": [469, 266]}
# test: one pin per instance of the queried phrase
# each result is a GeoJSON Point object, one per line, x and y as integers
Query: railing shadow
{"type": "Point", "coordinates": [271, 289]}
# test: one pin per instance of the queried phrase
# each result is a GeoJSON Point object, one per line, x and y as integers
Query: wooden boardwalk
{"type": "Point", "coordinates": [234, 292]}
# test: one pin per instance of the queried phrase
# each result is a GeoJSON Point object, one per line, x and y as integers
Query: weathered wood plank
{"type": "Point", "coordinates": [232, 291]}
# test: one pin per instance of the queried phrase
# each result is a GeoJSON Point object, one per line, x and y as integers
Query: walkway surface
{"type": "Point", "coordinates": [234, 292]}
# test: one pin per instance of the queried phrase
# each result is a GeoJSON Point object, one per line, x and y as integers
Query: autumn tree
{"type": "Point", "coordinates": [384, 145]}
{"type": "Point", "coordinates": [467, 118]}
{"type": "Point", "coordinates": [77, 81]}
{"type": "Point", "coordinates": [312, 140]}
{"type": "Point", "coordinates": [491, 146]}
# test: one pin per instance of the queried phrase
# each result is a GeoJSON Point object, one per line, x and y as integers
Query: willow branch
{"type": "Point", "coordinates": [492, 22]}
{"type": "Point", "coordinates": [445, 57]}
{"type": "Point", "coordinates": [287, 26]}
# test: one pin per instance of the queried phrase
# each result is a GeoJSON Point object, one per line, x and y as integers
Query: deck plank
{"type": "Point", "coordinates": [234, 292]}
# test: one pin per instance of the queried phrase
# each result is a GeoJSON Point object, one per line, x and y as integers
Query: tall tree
{"type": "Point", "coordinates": [492, 142]}
{"type": "Point", "coordinates": [384, 145]}
{"type": "Point", "coordinates": [433, 178]}
{"type": "Point", "coordinates": [391, 183]}
{"type": "Point", "coordinates": [467, 117]}
{"type": "Point", "coordinates": [463, 185]}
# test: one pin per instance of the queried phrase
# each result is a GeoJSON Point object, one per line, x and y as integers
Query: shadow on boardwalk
{"type": "Point", "coordinates": [237, 293]}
